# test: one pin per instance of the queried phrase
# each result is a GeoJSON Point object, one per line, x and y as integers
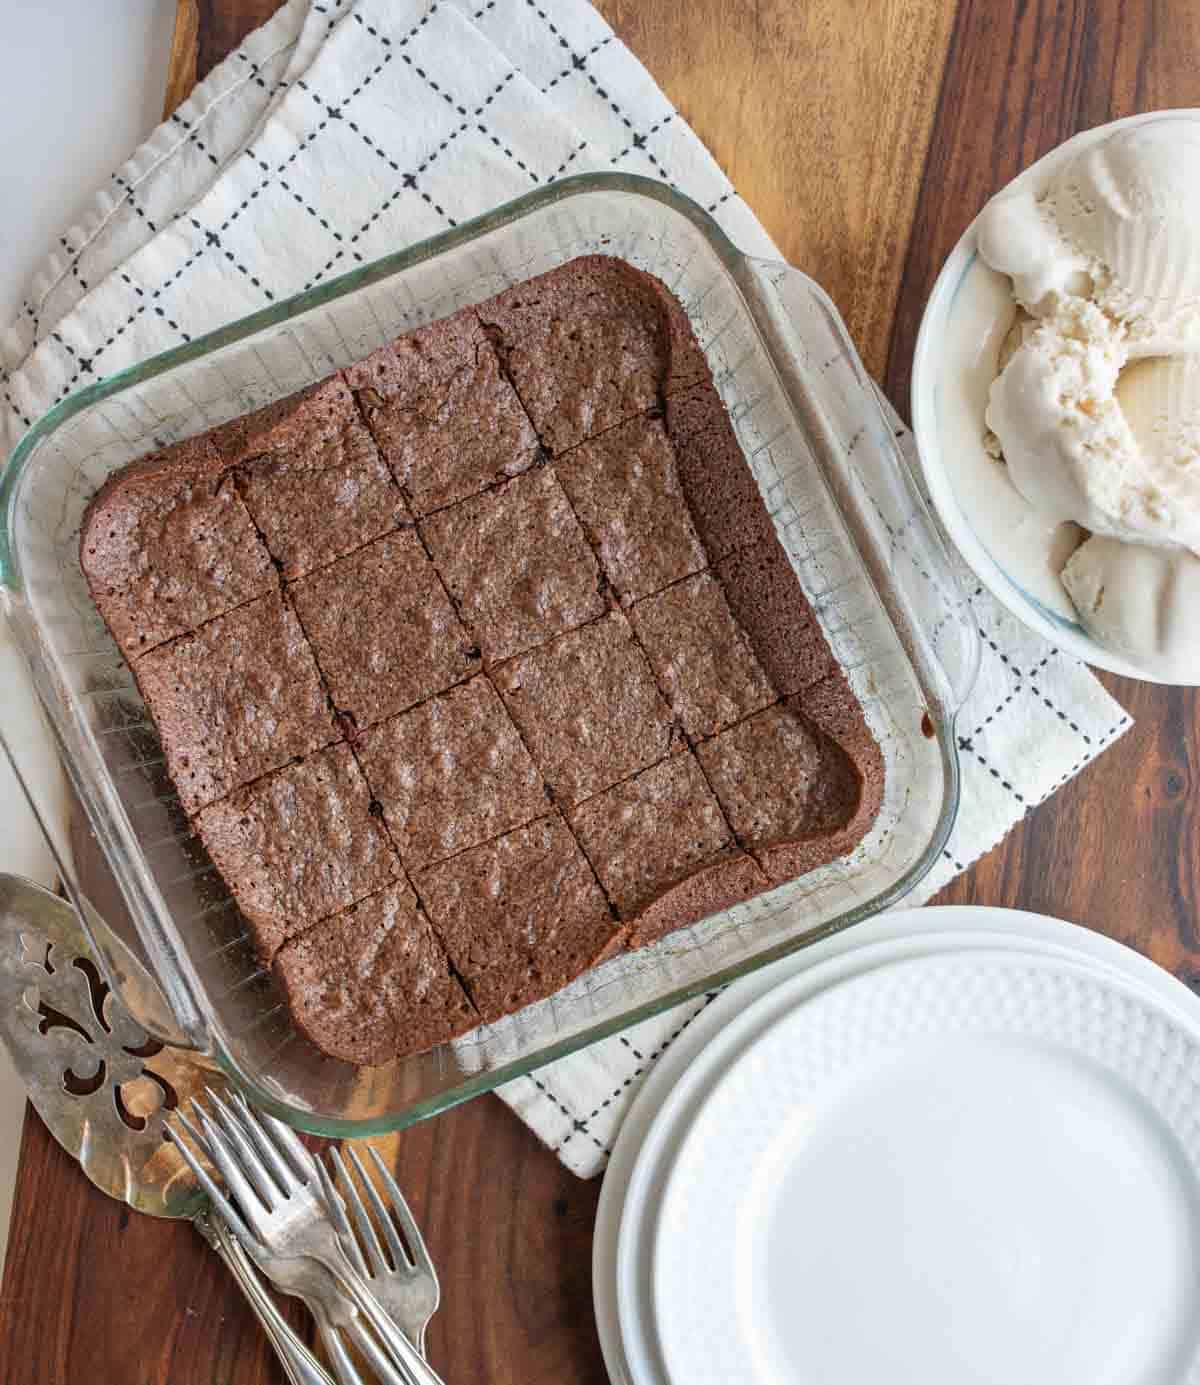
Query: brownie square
{"type": "Point", "coordinates": [168, 544]}
{"type": "Point", "coordinates": [702, 660]}
{"type": "Point", "coordinates": [374, 983]}
{"type": "Point", "coordinates": [587, 707]}
{"type": "Point", "coordinates": [590, 345]}
{"type": "Point", "coordinates": [450, 773]}
{"type": "Point", "coordinates": [298, 845]}
{"type": "Point", "coordinates": [765, 598]}
{"type": "Point", "coordinates": [383, 629]}
{"type": "Point", "coordinates": [238, 698]}
{"type": "Point", "coordinates": [445, 418]}
{"type": "Point", "coordinates": [625, 488]}
{"type": "Point", "coordinates": [781, 781]}
{"type": "Point", "coordinates": [520, 916]}
{"type": "Point", "coordinates": [726, 503]}
{"type": "Point", "coordinates": [312, 479]}
{"type": "Point", "coordinates": [517, 563]}
{"type": "Point", "coordinates": [647, 833]}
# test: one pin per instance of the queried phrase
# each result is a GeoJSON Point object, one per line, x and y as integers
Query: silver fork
{"type": "Point", "coordinates": [407, 1284]}
{"type": "Point", "coordinates": [282, 1212]}
{"type": "Point", "coordinates": [407, 1287]}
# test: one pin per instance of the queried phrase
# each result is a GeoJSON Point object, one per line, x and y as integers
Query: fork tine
{"type": "Point", "coordinates": [252, 1168]}
{"type": "Point", "coordinates": [366, 1232]}
{"type": "Point", "coordinates": [285, 1175]}
{"type": "Point", "coordinates": [337, 1213]}
{"type": "Point", "coordinates": [208, 1186]}
{"type": "Point", "coordinates": [417, 1250]}
{"type": "Point", "coordinates": [253, 1208]}
{"type": "Point", "coordinates": [301, 1157]}
{"type": "Point", "coordinates": [400, 1256]}
{"type": "Point", "coordinates": [284, 1178]}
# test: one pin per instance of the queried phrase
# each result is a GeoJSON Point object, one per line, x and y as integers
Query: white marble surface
{"type": "Point", "coordinates": [83, 85]}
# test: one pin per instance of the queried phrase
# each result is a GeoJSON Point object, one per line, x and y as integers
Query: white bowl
{"type": "Point", "coordinates": [934, 372]}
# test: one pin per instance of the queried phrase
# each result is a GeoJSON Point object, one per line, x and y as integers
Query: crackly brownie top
{"type": "Point", "coordinates": [451, 773]}
{"type": "Point", "coordinates": [312, 478]}
{"type": "Point", "coordinates": [625, 488]}
{"type": "Point", "coordinates": [384, 632]}
{"type": "Point", "coordinates": [237, 698]}
{"type": "Point", "coordinates": [590, 345]}
{"type": "Point", "coordinates": [649, 832]}
{"type": "Point", "coordinates": [520, 916]}
{"type": "Point", "coordinates": [587, 707]}
{"type": "Point", "coordinates": [498, 614]}
{"type": "Point", "coordinates": [374, 979]}
{"type": "Point", "coordinates": [483, 549]}
{"type": "Point", "coordinates": [299, 845]}
{"type": "Point", "coordinates": [701, 656]}
{"type": "Point", "coordinates": [168, 544]}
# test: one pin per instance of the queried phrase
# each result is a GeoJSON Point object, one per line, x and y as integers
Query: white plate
{"type": "Point", "coordinates": [971, 1169]}
{"type": "Point", "coordinates": [676, 1086]}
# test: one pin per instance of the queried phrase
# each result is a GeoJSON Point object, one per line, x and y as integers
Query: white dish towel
{"type": "Point", "coordinates": [340, 131]}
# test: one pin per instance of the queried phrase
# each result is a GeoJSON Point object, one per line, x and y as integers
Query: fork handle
{"type": "Point", "coordinates": [300, 1365]}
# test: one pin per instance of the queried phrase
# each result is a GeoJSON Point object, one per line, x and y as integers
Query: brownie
{"type": "Point", "coordinates": [765, 598]}
{"type": "Point", "coordinates": [374, 983]}
{"type": "Point", "coordinates": [236, 699]}
{"type": "Point", "coordinates": [587, 707]}
{"type": "Point", "coordinates": [312, 479]}
{"type": "Point", "coordinates": [482, 549]}
{"type": "Point", "coordinates": [662, 850]}
{"type": "Point", "coordinates": [520, 916]}
{"type": "Point", "coordinates": [787, 788]}
{"type": "Point", "coordinates": [547, 488]}
{"type": "Point", "coordinates": [590, 345]}
{"type": "Point", "coordinates": [298, 845]}
{"type": "Point", "coordinates": [701, 656]}
{"type": "Point", "coordinates": [384, 632]}
{"type": "Point", "coordinates": [445, 418]}
{"type": "Point", "coordinates": [450, 774]}
{"type": "Point", "coordinates": [725, 501]}
{"type": "Point", "coordinates": [624, 487]}
{"type": "Point", "coordinates": [167, 544]}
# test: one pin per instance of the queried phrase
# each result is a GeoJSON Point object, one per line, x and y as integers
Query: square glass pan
{"type": "Point", "coordinates": [842, 499]}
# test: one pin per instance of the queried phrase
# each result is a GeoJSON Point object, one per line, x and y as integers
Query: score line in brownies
{"type": "Point", "coordinates": [499, 614]}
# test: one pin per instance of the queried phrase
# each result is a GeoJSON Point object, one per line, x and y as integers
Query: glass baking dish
{"type": "Point", "coordinates": [844, 504]}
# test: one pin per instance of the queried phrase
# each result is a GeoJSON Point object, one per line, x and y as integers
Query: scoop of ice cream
{"type": "Point", "coordinates": [1140, 602]}
{"type": "Point", "coordinates": [1118, 224]}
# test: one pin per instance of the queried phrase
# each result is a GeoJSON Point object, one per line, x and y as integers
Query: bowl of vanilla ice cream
{"type": "Point", "coordinates": [1056, 396]}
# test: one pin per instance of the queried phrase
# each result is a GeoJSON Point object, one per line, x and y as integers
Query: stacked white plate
{"type": "Point", "coordinates": [951, 1146]}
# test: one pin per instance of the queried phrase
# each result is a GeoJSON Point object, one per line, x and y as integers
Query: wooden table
{"type": "Point", "coordinates": [866, 134]}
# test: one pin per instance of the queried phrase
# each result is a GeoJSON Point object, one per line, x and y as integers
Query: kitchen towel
{"type": "Point", "coordinates": [340, 131]}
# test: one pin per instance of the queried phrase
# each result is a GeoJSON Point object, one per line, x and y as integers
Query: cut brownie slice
{"type": "Point", "coordinates": [445, 418]}
{"type": "Point", "coordinates": [588, 708]}
{"type": "Point", "coordinates": [374, 983]}
{"type": "Point", "coordinates": [787, 788]}
{"type": "Point", "coordinates": [517, 563]}
{"type": "Point", "coordinates": [700, 656]}
{"type": "Point", "coordinates": [590, 345]}
{"type": "Point", "coordinates": [311, 477]}
{"type": "Point", "coordinates": [298, 845]}
{"type": "Point", "coordinates": [383, 628]}
{"type": "Point", "coordinates": [168, 544]}
{"type": "Point", "coordinates": [625, 489]}
{"type": "Point", "coordinates": [450, 773]}
{"type": "Point", "coordinates": [724, 497]}
{"type": "Point", "coordinates": [662, 849]}
{"type": "Point", "coordinates": [520, 917]}
{"type": "Point", "coordinates": [238, 698]}
{"type": "Point", "coordinates": [765, 597]}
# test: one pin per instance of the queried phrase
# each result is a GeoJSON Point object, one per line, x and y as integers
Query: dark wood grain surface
{"type": "Point", "coordinates": [866, 135]}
